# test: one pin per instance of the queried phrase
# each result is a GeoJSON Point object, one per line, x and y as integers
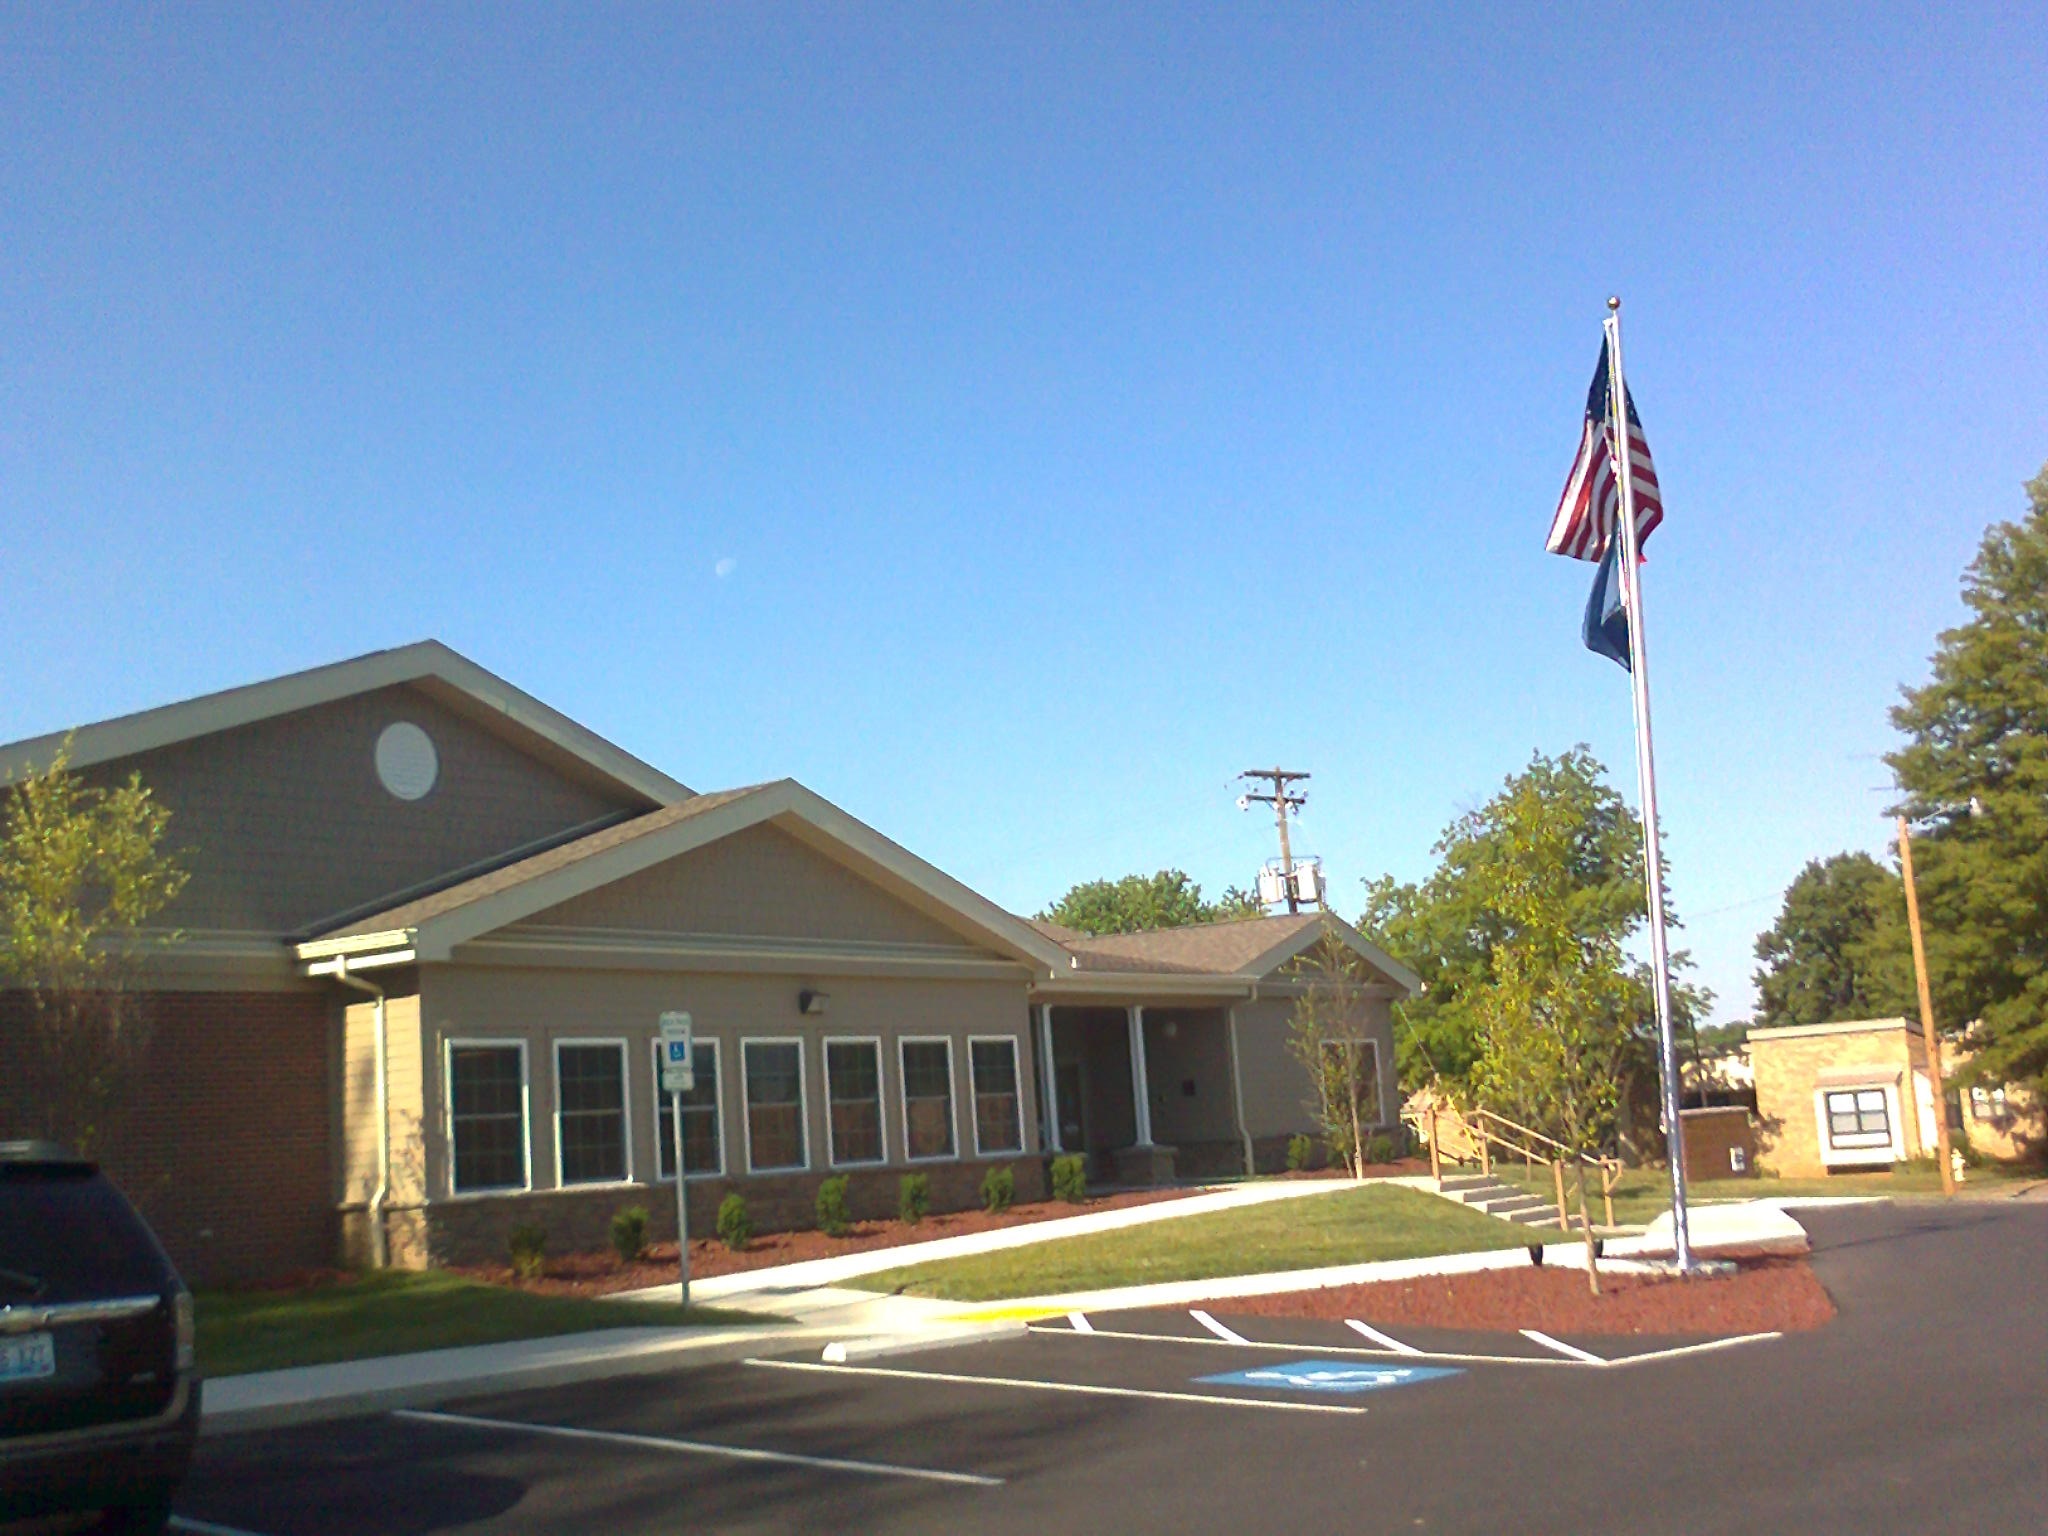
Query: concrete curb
{"type": "Point", "coordinates": [846, 1351]}
{"type": "Point", "coordinates": [311, 1406]}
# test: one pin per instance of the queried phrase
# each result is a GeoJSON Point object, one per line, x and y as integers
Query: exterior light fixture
{"type": "Point", "coordinates": [811, 1001]}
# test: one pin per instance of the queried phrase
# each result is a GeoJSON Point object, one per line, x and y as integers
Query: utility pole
{"type": "Point", "coordinates": [1282, 802]}
{"type": "Point", "coordinates": [1934, 1073]}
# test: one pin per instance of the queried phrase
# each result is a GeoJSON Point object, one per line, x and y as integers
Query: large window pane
{"type": "Point", "coordinates": [590, 1111]}
{"type": "Point", "coordinates": [487, 1117]}
{"type": "Point", "coordinates": [928, 1097]}
{"type": "Point", "coordinates": [853, 1084]}
{"type": "Point", "coordinates": [775, 1105]}
{"type": "Point", "coordinates": [703, 1148]}
{"type": "Point", "coordinates": [998, 1125]}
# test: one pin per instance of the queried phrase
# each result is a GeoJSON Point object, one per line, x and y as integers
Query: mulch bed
{"type": "Point", "coordinates": [1766, 1293]}
{"type": "Point", "coordinates": [599, 1274]}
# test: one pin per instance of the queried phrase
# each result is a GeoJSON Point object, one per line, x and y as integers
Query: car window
{"type": "Point", "coordinates": [66, 1234]}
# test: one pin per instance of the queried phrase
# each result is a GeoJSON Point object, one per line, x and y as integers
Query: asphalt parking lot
{"type": "Point", "coordinates": [1925, 1404]}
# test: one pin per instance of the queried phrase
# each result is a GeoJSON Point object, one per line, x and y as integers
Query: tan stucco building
{"type": "Point", "coordinates": [1838, 1098]}
{"type": "Point", "coordinates": [431, 926]}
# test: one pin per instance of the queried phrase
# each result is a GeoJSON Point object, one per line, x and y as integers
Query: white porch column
{"type": "Point", "coordinates": [1237, 1092]}
{"type": "Point", "coordinates": [1141, 1095]}
{"type": "Point", "coordinates": [1048, 1084]}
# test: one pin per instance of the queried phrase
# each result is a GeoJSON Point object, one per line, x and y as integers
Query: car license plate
{"type": "Point", "coordinates": [28, 1357]}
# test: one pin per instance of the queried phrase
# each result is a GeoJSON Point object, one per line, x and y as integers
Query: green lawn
{"type": "Point", "coordinates": [1352, 1226]}
{"type": "Point", "coordinates": [397, 1312]}
{"type": "Point", "coordinates": [1642, 1194]}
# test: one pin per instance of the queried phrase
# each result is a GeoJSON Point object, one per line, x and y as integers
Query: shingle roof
{"type": "Point", "coordinates": [412, 913]}
{"type": "Point", "coordinates": [1205, 949]}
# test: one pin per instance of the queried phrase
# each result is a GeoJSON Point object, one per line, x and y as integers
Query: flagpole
{"type": "Point", "coordinates": [1646, 774]}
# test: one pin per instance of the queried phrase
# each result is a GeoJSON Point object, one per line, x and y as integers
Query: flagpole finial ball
{"type": "Point", "coordinates": [1613, 302]}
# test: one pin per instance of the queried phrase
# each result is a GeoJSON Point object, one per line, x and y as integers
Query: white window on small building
{"type": "Point", "coordinates": [1858, 1118]}
{"type": "Point", "coordinates": [1988, 1103]}
{"type": "Point", "coordinates": [927, 1098]}
{"type": "Point", "coordinates": [853, 1090]}
{"type": "Point", "coordinates": [487, 1135]}
{"type": "Point", "coordinates": [774, 1072]}
{"type": "Point", "coordinates": [998, 1118]}
{"type": "Point", "coordinates": [592, 1135]}
{"type": "Point", "coordinates": [703, 1143]}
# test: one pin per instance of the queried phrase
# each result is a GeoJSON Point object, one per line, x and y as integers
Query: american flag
{"type": "Point", "coordinates": [1589, 510]}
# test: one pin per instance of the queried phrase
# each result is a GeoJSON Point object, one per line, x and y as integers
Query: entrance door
{"type": "Point", "coordinates": [1070, 1089]}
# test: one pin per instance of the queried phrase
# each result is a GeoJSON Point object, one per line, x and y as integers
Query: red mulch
{"type": "Point", "coordinates": [1766, 1293]}
{"type": "Point", "coordinates": [597, 1274]}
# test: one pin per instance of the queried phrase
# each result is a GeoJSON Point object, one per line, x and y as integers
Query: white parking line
{"type": "Point", "coordinates": [1320, 1349]}
{"type": "Point", "coordinates": [1080, 1388]}
{"type": "Point", "coordinates": [1380, 1338]}
{"type": "Point", "coordinates": [1693, 1349]}
{"type": "Point", "coordinates": [1078, 1321]}
{"type": "Point", "coordinates": [707, 1448]}
{"type": "Point", "coordinates": [1217, 1328]}
{"type": "Point", "coordinates": [1570, 1350]}
{"type": "Point", "coordinates": [205, 1527]}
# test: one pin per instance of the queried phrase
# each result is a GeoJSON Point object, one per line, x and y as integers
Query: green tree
{"type": "Point", "coordinates": [1138, 903]}
{"type": "Point", "coordinates": [1833, 952]}
{"type": "Point", "coordinates": [1558, 1023]}
{"type": "Point", "coordinates": [1449, 927]}
{"type": "Point", "coordinates": [1974, 769]}
{"type": "Point", "coordinates": [82, 868]}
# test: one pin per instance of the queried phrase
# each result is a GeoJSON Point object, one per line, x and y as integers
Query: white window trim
{"type": "Point", "coordinates": [974, 1091]}
{"type": "Point", "coordinates": [625, 1108]}
{"type": "Point", "coordinates": [952, 1096]}
{"type": "Point", "coordinates": [1860, 1151]}
{"type": "Point", "coordinates": [718, 1097]}
{"type": "Point", "coordinates": [803, 1102]}
{"type": "Point", "coordinates": [450, 1044]}
{"type": "Point", "coordinates": [832, 1157]}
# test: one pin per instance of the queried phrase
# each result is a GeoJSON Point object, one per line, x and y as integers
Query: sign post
{"type": "Point", "coordinates": [678, 1077]}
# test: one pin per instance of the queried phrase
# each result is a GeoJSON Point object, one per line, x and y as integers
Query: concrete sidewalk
{"type": "Point", "coordinates": [771, 1289]}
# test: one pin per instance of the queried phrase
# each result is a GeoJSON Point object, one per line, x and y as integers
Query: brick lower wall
{"type": "Point", "coordinates": [476, 1231]}
{"type": "Point", "coordinates": [223, 1141]}
{"type": "Point", "coordinates": [1710, 1135]}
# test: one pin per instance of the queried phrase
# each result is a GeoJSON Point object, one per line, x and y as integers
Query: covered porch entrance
{"type": "Point", "coordinates": [1149, 1093]}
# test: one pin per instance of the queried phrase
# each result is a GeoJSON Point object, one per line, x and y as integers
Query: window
{"type": "Point", "coordinates": [1988, 1103]}
{"type": "Point", "coordinates": [1858, 1118]}
{"type": "Point", "coordinates": [775, 1105]}
{"type": "Point", "coordinates": [1359, 1062]}
{"type": "Point", "coordinates": [703, 1146]}
{"type": "Point", "coordinates": [853, 1088]}
{"type": "Point", "coordinates": [590, 1111]}
{"type": "Point", "coordinates": [486, 1115]}
{"type": "Point", "coordinates": [928, 1097]}
{"type": "Point", "coordinates": [998, 1125]}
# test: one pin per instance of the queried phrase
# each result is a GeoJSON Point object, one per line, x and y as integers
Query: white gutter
{"type": "Point", "coordinates": [380, 1254]}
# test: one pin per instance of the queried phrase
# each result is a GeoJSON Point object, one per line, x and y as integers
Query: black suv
{"type": "Point", "coordinates": [99, 1402]}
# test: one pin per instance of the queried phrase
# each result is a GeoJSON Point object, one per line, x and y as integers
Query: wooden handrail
{"type": "Point", "coordinates": [1488, 1128]}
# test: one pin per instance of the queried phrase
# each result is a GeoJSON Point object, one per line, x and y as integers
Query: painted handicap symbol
{"type": "Point", "coordinates": [1329, 1376]}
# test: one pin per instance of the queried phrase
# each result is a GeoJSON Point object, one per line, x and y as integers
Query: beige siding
{"type": "Point", "coordinates": [761, 883]}
{"type": "Point", "coordinates": [1188, 1075]}
{"type": "Point", "coordinates": [283, 823]}
{"type": "Point", "coordinates": [358, 1164]}
{"type": "Point", "coordinates": [1276, 1089]}
{"type": "Point", "coordinates": [542, 1006]}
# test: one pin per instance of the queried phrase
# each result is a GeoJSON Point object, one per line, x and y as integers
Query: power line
{"type": "Point", "coordinates": [1282, 802]}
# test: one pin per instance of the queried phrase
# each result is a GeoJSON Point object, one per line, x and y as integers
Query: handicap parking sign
{"type": "Point", "coordinates": [1329, 1376]}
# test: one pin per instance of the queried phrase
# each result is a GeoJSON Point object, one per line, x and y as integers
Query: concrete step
{"type": "Point", "coordinates": [1535, 1215]}
{"type": "Point", "coordinates": [1510, 1204]}
{"type": "Point", "coordinates": [1456, 1181]}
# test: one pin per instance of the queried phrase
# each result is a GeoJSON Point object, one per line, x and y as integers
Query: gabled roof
{"type": "Point", "coordinates": [1244, 949]}
{"type": "Point", "coordinates": [452, 678]}
{"type": "Point", "coordinates": [431, 926]}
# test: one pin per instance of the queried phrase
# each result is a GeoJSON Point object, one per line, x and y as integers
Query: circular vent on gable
{"type": "Point", "coordinates": [407, 763]}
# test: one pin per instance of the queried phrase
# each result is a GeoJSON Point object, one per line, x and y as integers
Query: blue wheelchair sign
{"type": "Point", "coordinates": [1329, 1376]}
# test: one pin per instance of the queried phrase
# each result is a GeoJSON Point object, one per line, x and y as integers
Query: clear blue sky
{"type": "Point", "coordinates": [1013, 421]}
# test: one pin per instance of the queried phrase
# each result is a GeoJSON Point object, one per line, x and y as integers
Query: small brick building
{"type": "Point", "coordinates": [431, 926]}
{"type": "Point", "coordinates": [1838, 1098]}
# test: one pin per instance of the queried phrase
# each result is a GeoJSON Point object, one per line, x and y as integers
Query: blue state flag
{"type": "Point", "coordinates": [1606, 615]}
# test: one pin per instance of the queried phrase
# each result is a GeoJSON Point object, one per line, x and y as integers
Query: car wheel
{"type": "Point", "coordinates": [145, 1519]}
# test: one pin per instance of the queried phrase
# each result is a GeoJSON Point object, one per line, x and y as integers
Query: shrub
{"type": "Point", "coordinates": [1070, 1178]}
{"type": "Point", "coordinates": [1301, 1153]}
{"type": "Point", "coordinates": [998, 1189]}
{"type": "Point", "coordinates": [1380, 1149]}
{"type": "Point", "coordinates": [629, 1233]}
{"type": "Point", "coordinates": [735, 1226]}
{"type": "Point", "coordinates": [832, 1218]}
{"type": "Point", "coordinates": [529, 1244]}
{"type": "Point", "coordinates": [914, 1197]}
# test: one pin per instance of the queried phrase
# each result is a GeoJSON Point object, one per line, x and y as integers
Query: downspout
{"type": "Point", "coordinates": [380, 1256]}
